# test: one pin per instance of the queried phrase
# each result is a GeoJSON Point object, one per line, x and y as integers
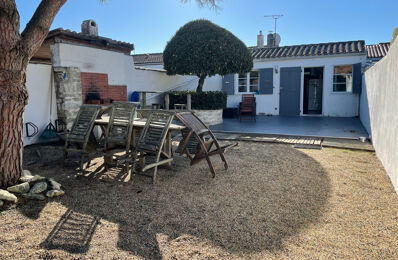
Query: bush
{"type": "Point", "coordinates": [208, 100]}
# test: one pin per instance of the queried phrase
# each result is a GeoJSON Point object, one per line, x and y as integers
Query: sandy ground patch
{"type": "Point", "coordinates": [274, 202]}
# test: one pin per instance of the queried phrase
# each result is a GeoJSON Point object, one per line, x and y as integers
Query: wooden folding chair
{"type": "Point", "coordinates": [150, 151]}
{"type": "Point", "coordinates": [194, 143]}
{"type": "Point", "coordinates": [117, 147]}
{"type": "Point", "coordinates": [78, 138]}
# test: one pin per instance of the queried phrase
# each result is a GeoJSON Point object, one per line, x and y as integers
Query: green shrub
{"type": "Point", "coordinates": [208, 100]}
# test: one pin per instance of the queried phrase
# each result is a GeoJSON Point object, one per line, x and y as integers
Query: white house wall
{"type": "Point", "coordinates": [117, 65]}
{"type": "Point", "coordinates": [37, 111]}
{"type": "Point", "coordinates": [333, 104]}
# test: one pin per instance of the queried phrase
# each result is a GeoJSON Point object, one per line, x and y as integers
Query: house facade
{"type": "Point", "coordinates": [316, 79]}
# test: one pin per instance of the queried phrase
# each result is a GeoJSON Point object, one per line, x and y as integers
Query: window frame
{"type": "Point", "coordinates": [352, 79]}
{"type": "Point", "coordinates": [247, 83]}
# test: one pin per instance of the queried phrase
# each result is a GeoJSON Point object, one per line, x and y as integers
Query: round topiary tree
{"type": "Point", "coordinates": [203, 48]}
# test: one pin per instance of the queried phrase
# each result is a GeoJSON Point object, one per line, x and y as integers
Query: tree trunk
{"type": "Point", "coordinates": [15, 52]}
{"type": "Point", "coordinates": [200, 83]}
{"type": "Point", "coordinates": [12, 105]}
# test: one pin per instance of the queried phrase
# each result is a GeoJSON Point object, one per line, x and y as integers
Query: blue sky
{"type": "Point", "coordinates": [149, 24]}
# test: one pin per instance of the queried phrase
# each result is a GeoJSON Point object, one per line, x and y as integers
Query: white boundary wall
{"type": "Point", "coordinates": [38, 83]}
{"type": "Point", "coordinates": [160, 81]}
{"type": "Point", "coordinates": [379, 110]}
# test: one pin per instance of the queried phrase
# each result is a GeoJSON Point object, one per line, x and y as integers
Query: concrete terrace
{"type": "Point", "coordinates": [335, 127]}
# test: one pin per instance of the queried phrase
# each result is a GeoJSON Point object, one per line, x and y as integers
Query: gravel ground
{"type": "Point", "coordinates": [274, 202]}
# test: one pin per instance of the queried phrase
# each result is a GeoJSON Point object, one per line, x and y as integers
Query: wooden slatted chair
{"type": "Point", "coordinates": [150, 149]}
{"type": "Point", "coordinates": [247, 107]}
{"type": "Point", "coordinates": [117, 147]}
{"type": "Point", "coordinates": [198, 141]}
{"type": "Point", "coordinates": [78, 138]}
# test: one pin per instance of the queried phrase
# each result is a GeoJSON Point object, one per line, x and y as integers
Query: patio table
{"type": "Point", "coordinates": [138, 125]}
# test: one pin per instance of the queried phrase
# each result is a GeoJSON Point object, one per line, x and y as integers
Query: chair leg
{"type": "Point", "coordinates": [88, 163]}
{"type": "Point", "coordinates": [155, 172]}
{"type": "Point", "coordinates": [82, 163]}
{"type": "Point", "coordinates": [127, 167]}
{"type": "Point", "coordinates": [213, 172]}
{"type": "Point", "coordinates": [225, 161]}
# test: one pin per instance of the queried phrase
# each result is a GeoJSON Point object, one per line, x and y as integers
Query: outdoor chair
{"type": "Point", "coordinates": [80, 138]}
{"type": "Point", "coordinates": [198, 141]}
{"type": "Point", "coordinates": [247, 107]}
{"type": "Point", "coordinates": [117, 146]}
{"type": "Point", "coordinates": [149, 151]}
{"type": "Point", "coordinates": [144, 113]}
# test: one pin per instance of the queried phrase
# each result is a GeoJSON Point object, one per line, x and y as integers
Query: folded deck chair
{"type": "Point", "coordinates": [149, 151]}
{"type": "Point", "coordinates": [194, 143]}
{"type": "Point", "coordinates": [117, 147]}
{"type": "Point", "coordinates": [78, 138]}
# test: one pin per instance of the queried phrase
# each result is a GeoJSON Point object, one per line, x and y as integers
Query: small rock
{"type": "Point", "coordinates": [1, 203]}
{"type": "Point", "coordinates": [33, 196]}
{"type": "Point", "coordinates": [54, 193]}
{"type": "Point", "coordinates": [39, 187]}
{"type": "Point", "coordinates": [5, 195]}
{"type": "Point", "coordinates": [32, 178]}
{"type": "Point", "coordinates": [26, 173]}
{"type": "Point", "coordinates": [54, 185]}
{"type": "Point", "coordinates": [20, 188]}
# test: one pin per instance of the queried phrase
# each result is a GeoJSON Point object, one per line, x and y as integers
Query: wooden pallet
{"type": "Point", "coordinates": [301, 142]}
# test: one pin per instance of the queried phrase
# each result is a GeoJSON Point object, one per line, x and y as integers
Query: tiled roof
{"type": "Point", "coordinates": [310, 50]}
{"type": "Point", "coordinates": [91, 39]}
{"type": "Point", "coordinates": [294, 51]}
{"type": "Point", "coordinates": [149, 58]}
{"type": "Point", "coordinates": [378, 50]}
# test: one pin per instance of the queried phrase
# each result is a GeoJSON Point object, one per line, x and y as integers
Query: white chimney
{"type": "Point", "coordinates": [90, 27]}
{"type": "Point", "coordinates": [260, 40]}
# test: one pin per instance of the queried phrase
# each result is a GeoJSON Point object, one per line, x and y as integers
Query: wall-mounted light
{"type": "Point", "coordinates": [276, 69]}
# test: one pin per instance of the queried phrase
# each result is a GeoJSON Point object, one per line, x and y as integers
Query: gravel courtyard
{"type": "Point", "coordinates": [274, 202]}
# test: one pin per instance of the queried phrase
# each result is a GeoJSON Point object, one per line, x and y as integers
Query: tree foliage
{"type": "Point", "coordinates": [203, 48]}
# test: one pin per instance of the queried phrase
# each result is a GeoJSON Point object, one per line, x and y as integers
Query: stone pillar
{"type": "Point", "coordinates": [68, 89]}
{"type": "Point", "coordinates": [189, 102]}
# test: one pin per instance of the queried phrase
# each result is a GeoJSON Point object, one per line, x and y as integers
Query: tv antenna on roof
{"type": "Point", "coordinates": [275, 17]}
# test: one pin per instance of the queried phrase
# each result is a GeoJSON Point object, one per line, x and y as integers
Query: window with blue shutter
{"type": "Point", "coordinates": [357, 78]}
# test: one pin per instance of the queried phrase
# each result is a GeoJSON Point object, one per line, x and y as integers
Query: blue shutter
{"type": "Point", "coordinates": [266, 81]}
{"type": "Point", "coordinates": [228, 85]}
{"type": "Point", "coordinates": [357, 78]}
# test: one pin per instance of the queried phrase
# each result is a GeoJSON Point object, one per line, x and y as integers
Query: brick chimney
{"type": "Point", "coordinates": [270, 40]}
{"type": "Point", "coordinates": [90, 27]}
{"type": "Point", "coordinates": [260, 40]}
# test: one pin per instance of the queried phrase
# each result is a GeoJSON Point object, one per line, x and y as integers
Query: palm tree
{"type": "Point", "coordinates": [16, 49]}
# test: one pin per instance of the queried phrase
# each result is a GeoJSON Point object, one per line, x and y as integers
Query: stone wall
{"type": "Point", "coordinates": [68, 89]}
